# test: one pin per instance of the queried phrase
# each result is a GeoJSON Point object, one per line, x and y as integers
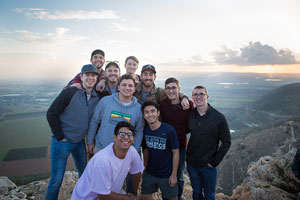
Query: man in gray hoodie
{"type": "Point", "coordinates": [120, 106]}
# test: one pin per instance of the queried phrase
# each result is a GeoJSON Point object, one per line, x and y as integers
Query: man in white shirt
{"type": "Point", "coordinates": [106, 171]}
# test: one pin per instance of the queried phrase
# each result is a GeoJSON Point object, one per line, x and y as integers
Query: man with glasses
{"type": "Point", "coordinates": [106, 171]}
{"type": "Point", "coordinates": [208, 128]}
{"type": "Point", "coordinates": [173, 113]}
{"type": "Point", "coordinates": [147, 91]}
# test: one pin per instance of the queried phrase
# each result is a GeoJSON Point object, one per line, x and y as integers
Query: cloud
{"type": "Point", "coordinates": [119, 27]}
{"type": "Point", "coordinates": [254, 54]}
{"type": "Point", "coordinates": [195, 61]}
{"type": "Point", "coordinates": [60, 36]}
{"type": "Point", "coordinates": [40, 13]}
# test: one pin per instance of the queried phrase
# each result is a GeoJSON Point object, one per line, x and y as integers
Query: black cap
{"type": "Point", "coordinates": [148, 67]}
{"type": "Point", "coordinates": [89, 68]}
{"type": "Point", "coordinates": [112, 63]}
{"type": "Point", "coordinates": [98, 51]}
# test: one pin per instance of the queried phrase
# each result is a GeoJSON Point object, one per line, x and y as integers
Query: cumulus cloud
{"type": "Point", "coordinates": [254, 54]}
{"type": "Point", "coordinates": [119, 27]}
{"type": "Point", "coordinates": [43, 14]}
{"type": "Point", "coordinates": [59, 36]}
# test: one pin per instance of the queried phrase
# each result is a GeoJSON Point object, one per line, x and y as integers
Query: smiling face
{"type": "Point", "coordinates": [148, 78]}
{"type": "Point", "coordinates": [172, 91]}
{"type": "Point", "coordinates": [123, 143]}
{"type": "Point", "coordinates": [151, 114]}
{"type": "Point", "coordinates": [88, 80]}
{"type": "Point", "coordinates": [200, 97]}
{"type": "Point", "coordinates": [112, 73]}
{"type": "Point", "coordinates": [126, 88]}
{"type": "Point", "coordinates": [131, 66]}
{"type": "Point", "coordinates": [98, 60]}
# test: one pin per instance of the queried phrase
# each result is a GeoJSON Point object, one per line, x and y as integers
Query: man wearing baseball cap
{"type": "Point", "coordinates": [68, 117]}
{"type": "Point", "coordinates": [98, 60]}
{"type": "Point", "coordinates": [146, 90]}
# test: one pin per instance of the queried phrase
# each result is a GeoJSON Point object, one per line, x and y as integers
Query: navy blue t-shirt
{"type": "Point", "coordinates": [160, 143]}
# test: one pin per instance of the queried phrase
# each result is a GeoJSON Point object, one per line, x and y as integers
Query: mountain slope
{"type": "Point", "coordinates": [275, 140]}
{"type": "Point", "coordinates": [284, 100]}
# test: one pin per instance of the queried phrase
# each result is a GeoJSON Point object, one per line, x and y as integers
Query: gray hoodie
{"type": "Point", "coordinates": [108, 112]}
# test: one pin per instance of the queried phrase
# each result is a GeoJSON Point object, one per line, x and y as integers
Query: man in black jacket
{"type": "Point", "coordinates": [296, 167]}
{"type": "Point", "coordinates": [208, 128]}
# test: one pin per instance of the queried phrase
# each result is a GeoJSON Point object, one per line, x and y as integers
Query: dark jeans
{"type": "Point", "coordinates": [204, 181]}
{"type": "Point", "coordinates": [60, 151]}
{"type": "Point", "coordinates": [298, 196]}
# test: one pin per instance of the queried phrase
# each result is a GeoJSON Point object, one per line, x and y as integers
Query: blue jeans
{"type": "Point", "coordinates": [298, 196]}
{"type": "Point", "coordinates": [60, 151]}
{"type": "Point", "coordinates": [204, 181]}
{"type": "Point", "coordinates": [180, 171]}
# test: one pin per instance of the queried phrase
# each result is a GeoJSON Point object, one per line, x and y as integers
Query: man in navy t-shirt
{"type": "Point", "coordinates": [161, 155]}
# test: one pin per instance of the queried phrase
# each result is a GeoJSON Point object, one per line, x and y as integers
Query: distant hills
{"type": "Point", "coordinates": [284, 101]}
{"type": "Point", "coordinates": [275, 122]}
{"type": "Point", "coordinates": [277, 105]}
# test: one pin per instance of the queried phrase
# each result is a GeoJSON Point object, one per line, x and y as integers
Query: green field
{"type": "Point", "coordinates": [27, 132]}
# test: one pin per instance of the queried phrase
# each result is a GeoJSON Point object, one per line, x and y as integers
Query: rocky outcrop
{"type": "Point", "coordinates": [269, 178]}
{"type": "Point", "coordinates": [274, 140]}
{"type": "Point", "coordinates": [36, 190]}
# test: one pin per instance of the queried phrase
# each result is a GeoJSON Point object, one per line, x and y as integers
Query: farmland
{"type": "Point", "coordinates": [23, 133]}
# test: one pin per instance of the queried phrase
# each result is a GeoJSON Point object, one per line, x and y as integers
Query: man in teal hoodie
{"type": "Point", "coordinates": [120, 106]}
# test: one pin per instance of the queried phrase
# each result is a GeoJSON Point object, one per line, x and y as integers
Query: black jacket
{"type": "Point", "coordinates": [206, 133]}
{"type": "Point", "coordinates": [296, 164]}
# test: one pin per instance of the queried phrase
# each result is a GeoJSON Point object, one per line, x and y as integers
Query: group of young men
{"type": "Point", "coordinates": [128, 118]}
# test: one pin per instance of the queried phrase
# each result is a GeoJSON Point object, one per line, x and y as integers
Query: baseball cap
{"type": "Point", "coordinates": [109, 63]}
{"type": "Point", "coordinates": [98, 51]}
{"type": "Point", "coordinates": [148, 67]}
{"type": "Point", "coordinates": [89, 68]}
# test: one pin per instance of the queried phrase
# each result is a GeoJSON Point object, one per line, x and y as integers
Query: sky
{"type": "Point", "coordinates": [54, 39]}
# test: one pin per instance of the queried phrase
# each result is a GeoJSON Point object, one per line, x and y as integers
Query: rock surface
{"type": "Point", "coordinates": [36, 190]}
{"type": "Point", "coordinates": [274, 140]}
{"type": "Point", "coordinates": [269, 178]}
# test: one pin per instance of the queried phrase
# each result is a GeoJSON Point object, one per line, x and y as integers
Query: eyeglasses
{"type": "Point", "coordinates": [171, 88]}
{"type": "Point", "coordinates": [122, 134]}
{"type": "Point", "coordinates": [199, 95]}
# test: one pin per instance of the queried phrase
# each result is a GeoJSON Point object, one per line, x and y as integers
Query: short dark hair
{"type": "Point", "coordinates": [97, 51]}
{"type": "Point", "coordinates": [122, 124]}
{"type": "Point", "coordinates": [126, 76]}
{"type": "Point", "coordinates": [132, 58]}
{"type": "Point", "coordinates": [150, 103]}
{"type": "Point", "coordinates": [172, 80]}
{"type": "Point", "coordinates": [112, 63]}
{"type": "Point", "coordinates": [200, 87]}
